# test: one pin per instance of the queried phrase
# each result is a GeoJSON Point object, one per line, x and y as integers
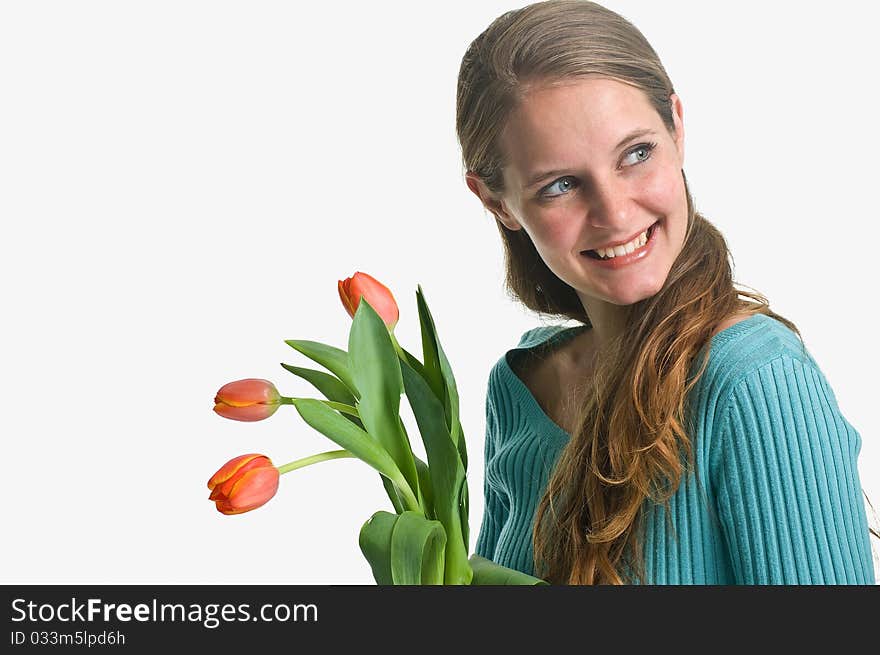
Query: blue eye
{"type": "Point", "coordinates": [567, 178]}
{"type": "Point", "coordinates": [647, 148]}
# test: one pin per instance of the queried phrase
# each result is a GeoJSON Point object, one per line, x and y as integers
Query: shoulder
{"type": "Point", "coordinates": [730, 322]}
{"type": "Point", "coordinates": [530, 339]}
{"type": "Point", "coordinates": [540, 335]}
{"type": "Point", "coordinates": [770, 392]}
{"type": "Point", "coordinates": [741, 355]}
{"type": "Point", "coordinates": [768, 404]}
{"type": "Point", "coordinates": [742, 346]}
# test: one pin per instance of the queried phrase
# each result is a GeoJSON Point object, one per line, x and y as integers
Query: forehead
{"type": "Point", "coordinates": [580, 118]}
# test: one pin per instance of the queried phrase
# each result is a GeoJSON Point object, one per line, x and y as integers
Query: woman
{"type": "Point", "coordinates": [681, 434]}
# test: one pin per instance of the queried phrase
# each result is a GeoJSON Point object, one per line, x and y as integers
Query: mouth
{"type": "Point", "coordinates": [635, 247]}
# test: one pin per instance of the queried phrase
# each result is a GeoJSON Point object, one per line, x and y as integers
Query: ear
{"type": "Point", "coordinates": [491, 202]}
{"type": "Point", "coordinates": [678, 119]}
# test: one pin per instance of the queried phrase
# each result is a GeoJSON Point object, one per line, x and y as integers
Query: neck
{"type": "Point", "coordinates": [606, 319]}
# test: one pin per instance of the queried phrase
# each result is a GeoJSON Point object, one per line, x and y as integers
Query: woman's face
{"type": "Point", "coordinates": [603, 185]}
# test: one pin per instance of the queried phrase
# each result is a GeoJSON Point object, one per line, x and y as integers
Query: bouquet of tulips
{"type": "Point", "coordinates": [425, 539]}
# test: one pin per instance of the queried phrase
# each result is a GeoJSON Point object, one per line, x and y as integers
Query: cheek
{"type": "Point", "coordinates": [553, 236]}
{"type": "Point", "coordinates": [553, 228]}
{"type": "Point", "coordinates": [663, 190]}
{"type": "Point", "coordinates": [664, 196]}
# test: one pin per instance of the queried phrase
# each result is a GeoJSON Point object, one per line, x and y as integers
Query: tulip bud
{"type": "Point", "coordinates": [252, 399]}
{"type": "Point", "coordinates": [352, 289]}
{"type": "Point", "coordinates": [243, 483]}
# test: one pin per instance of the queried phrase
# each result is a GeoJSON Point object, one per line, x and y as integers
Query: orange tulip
{"type": "Point", "coordinates": [353, 288]}
{"type": "Point", "coordinates": [252, 399]}
{"type": "Point", "coordinates": [243, 483]}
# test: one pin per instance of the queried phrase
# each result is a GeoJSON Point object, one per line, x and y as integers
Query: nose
{"type": "Point", "coordinates": [609, 205]}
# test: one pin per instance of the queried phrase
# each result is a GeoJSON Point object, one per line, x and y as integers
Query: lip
{"type": "Point", "coordinates": [634, 256]}
{"type": "Point", "coordinates": [625, 241]}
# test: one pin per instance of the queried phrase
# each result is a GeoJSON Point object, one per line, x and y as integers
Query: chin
{"type": "Point", "coordinates": [635, 293]}
{"type": "Point", "coordinates": [631, 299]}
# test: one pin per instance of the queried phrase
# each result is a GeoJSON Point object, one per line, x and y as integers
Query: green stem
{"type": "Point", "coordinates": [314, 459]}
{"type": "Point", "coordinates": [408, 496]}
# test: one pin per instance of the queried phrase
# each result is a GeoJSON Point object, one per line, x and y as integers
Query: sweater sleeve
{"type": "Point", "coordinates": [788, 489]}
{"type": "Point", "coordinates": [496, 510]}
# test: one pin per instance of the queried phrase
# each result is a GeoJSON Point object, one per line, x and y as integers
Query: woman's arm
{"type": "Point", "coordinates": [788, 488]}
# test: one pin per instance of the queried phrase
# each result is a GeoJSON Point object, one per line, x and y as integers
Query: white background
{"type": "Point", "coordinates": [183, 183]}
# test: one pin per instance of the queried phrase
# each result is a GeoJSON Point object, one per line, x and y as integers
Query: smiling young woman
{"type": "Point", "coordinates": [682, 433]}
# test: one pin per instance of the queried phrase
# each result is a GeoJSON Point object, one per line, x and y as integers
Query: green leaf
{"type": "Point", "coordinates": [425, 493]}
{"type": "Point", "coordinates": [436, 365]}
{"type": "Point", "coordinates": [329, 385]}
{"type": "Point", "coordinates": [447, 472]}
{"type": "Point", "coordinates": [487, 572]}
{"type": "Point", "coordinates": [417, 366]}
{"type": "Point", "coordinates": [413, 361]}
{"type": "Point", "coordinates": [464, 514]}
{"type": "Point", "coordinates": [462, 446]}
{"type": "Point", "coordinates": [341, 407]}
{"type": "Point", "coordinates": [375, 542]}
{"type": "Point", "coordinates": [393, 494]}
{"type": "Point", "coordinates": [417, 550]}
{"type": "Point", "coordinates": [375, 369]}
{"type": "Point", "coordinates": [431, 368]}
{"type": "Point", "coordinates": [343, 432]}
{"type": "Point", "coordinates": [425, 486]}
{"type": "Point", "coordinates": [334, 390]}
{"type": "Point", "coordinates": [333, 359]}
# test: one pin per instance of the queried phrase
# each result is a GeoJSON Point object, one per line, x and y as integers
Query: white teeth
{"type": "Point", "coordinates": [626, 248]}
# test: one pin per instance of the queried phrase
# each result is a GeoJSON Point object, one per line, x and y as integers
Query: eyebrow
{"type": "Point", "coordinates": [540, 177]}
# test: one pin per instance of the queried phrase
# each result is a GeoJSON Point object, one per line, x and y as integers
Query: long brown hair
{"type": "Point", "coordinates": [631, 429]}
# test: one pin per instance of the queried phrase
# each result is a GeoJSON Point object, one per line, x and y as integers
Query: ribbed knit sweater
{"type": "Point", "coordinates": [780, 500]}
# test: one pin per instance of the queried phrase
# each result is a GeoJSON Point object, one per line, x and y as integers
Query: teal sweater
{"type": "Point", "coordinates": [780, 500]}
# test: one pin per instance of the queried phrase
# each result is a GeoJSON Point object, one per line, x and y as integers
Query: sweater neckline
{"type": "Point", "coordinates": [523, 395]}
